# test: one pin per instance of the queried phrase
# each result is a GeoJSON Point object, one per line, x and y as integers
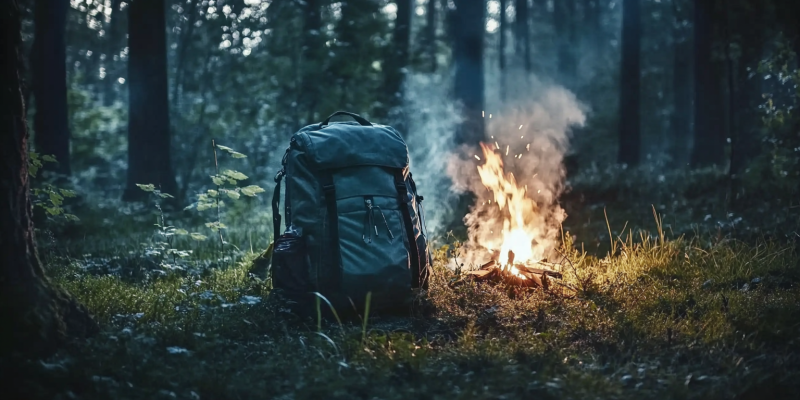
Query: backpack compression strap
{"type": "Point", "coordinates": [402, 197]}
{"type": "Point", "coordinates": [276, 202]}
{"type": "Point", "coordinates": [329, 189]}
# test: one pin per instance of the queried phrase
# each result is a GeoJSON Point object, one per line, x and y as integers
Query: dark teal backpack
{"type": "Point", "coordinates": [353, 218]}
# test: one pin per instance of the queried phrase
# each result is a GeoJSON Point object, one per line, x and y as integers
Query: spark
{"type": "Point", "coordinates": [476, 157]}
{"type": "Point", "coordinates": [483, 114]}
{"type": "Point", "coordinates": [490, 115]}
{"type": "Point", "coordinates": [520, 127]}
{"type": "Point", "coordinates": [522, 136]}
{"type": "Point", "coordinates": [528, 147]}
{"type": "Point", "coordinates": [498, 146]}
{"type": "Point", "coordinates": [539, 191]}
{"type": "Point", "coordinates": [507, 146]}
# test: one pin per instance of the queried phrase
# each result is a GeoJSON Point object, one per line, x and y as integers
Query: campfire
{"type": "Point", "coordinates": [514, 225]}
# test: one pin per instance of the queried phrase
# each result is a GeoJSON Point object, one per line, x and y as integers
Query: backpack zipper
{"type": "Point", "coordinates": [369, 222]}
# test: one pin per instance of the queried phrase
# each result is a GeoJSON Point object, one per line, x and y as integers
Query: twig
{"type": "Point", "coordinates": [219, 219]}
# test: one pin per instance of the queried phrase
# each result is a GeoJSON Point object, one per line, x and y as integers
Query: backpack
{"type": "Point", "coordinates": [354, 221]}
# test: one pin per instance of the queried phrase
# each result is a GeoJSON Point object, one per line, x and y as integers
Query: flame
{"type": "Point", "coordinates": [519, 233]}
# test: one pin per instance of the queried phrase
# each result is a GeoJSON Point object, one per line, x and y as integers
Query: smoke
{"type": "Point", "coordinates": [531, 139]}
{"type": "Point", "coordinates": [531, 135]}
{"type": "Point", "coordinates": [431, 119]}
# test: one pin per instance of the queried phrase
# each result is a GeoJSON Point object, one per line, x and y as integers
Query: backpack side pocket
{"type": "Point", "coordinates": [290, 265]}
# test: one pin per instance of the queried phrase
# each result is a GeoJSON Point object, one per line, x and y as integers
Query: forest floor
{"type": "Point", "coordinates": [689, 307]}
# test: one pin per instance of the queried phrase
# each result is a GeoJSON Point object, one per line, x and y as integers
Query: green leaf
{"type": "Point", "coordinates": [197, 236]}
{"type": "Point", "coordinates": [166, 196]}
{"type": "Point", "coordinates": [236, 154]}
{"type": "Point", "coordinates": [147, 188]}
{"type": "Point", "coordinates": [215, 226]}
{"type": "Point", "coordinates": [55, 199]}
{"type": "Point", "coordinates": [218, 180]}
{"type": "Point", "coordinates": [54, 210]}
{"type": "Point", "coordinates": [181, 232]}
{"type": "Point", "coordinates": [49, 158]}
{"type": "Point", "coordinates": [67, 193]}
{"type": "Point", "coordinates": [190, 206]}
{"type": "Point", "coordinates": [235, 175]}
{"type": "Point", "coordinates": [212, 193]}
{"type": "Point", "coordinates": [71, 217]}
{"type": "Point", "coordinates": [232, 194]}
{"type": "Point", "coordinates": [251, 190]}
{"type": "Point", "coordinates": [204, 206]}
{"type": "Point", "coordinates": [226, 148]}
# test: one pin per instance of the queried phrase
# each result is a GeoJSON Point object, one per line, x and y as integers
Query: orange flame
{"type": "Point", "coordinates": [520, 232]}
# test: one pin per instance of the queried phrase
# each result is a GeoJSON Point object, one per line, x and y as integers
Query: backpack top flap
{"type": "Point", "coordinates": [348, 144]}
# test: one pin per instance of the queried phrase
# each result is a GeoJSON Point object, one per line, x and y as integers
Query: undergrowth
{"type": "Point", "coordinates": [657, 317]}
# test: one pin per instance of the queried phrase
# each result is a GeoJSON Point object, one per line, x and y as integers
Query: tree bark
{"type": "Point", "coordinates": [630, 82]}
{"type": "Point", "coordinates": [36, 316]}
{"type": "Point", "coordinates": [563, 16]}
{"type": "Point", "coordinates": [48, 62]}
{"type": "Point", "coordinates": [709, 125]}
{"type": "Point", "coordinates": [186, 36]}
{"type": "Point", "coordinates": [680, 121]}
{"type": "Point", "coordinates": [522, 42]}
{"type": "Point", "coordinates": [313, 42]}
{"type": "Point", "coordinates": [430, 34]}
{"type": "Point", "coordinates": [593, 16]}
{"type": "Point", "coordinates": [148, 109]}
{"type": "Point", "coordinates": [398, 59]}
{"type": "Point", "coordinates": [113, 32]}
{"type": "Point", "coordinates": [468, 57]}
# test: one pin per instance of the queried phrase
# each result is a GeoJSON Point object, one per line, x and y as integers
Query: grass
{"type": "Point", "coordinates": [657, 309]}
{"type": "Point", "coordinates": [661, 318]}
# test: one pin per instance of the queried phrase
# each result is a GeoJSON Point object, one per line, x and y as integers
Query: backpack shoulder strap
{"type": "Point", "coordinates": [402, 198]}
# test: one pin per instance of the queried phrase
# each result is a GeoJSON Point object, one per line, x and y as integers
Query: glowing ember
{"type": "Point", "coordinates": [520, 232]}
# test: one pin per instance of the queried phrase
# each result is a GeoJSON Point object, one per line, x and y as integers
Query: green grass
{"type": "Point", "coordinates": [660, 319]}
{"type": "Point", "coordinates": [658, 307]}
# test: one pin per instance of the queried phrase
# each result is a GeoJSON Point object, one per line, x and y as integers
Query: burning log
{"type": "Point", "coordinates": [516, 274]}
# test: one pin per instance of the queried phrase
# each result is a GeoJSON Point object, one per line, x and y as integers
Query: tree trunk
{"type": "Point", "coordinates": [680, 121]}
{"type": "Point", "coordinates": [113, 33]}
{"type": "Point", "coordinates": [313, 42]}
{"type": "Point", "coordinates": [709, 125]}
{"type": "Point", "coordinates": [522, 43]}
{"type": "Point", "coordinates": [36, 316]}
{"type": "Point", "coordinates": [563, 16]}
{"type": "Point", "coordinates": [430, 34]}
{"type": "Point", "coordinates": [48, 61]}
{"type": "Point", "coordinates": [502, 49]}
{"type": "Point", "coordinates": [148, 109]}
{"type": "Point", "coordinates": [398, 59]}
{"type": "Point", "coordinates": [593, 16]}
{"type": "Point", "coordinates": [745, 91]}
{"type": "Point", "coordinates": [186, 36]}
{"type": "Point", "coordinates": [630, 82]}
{"type": "Point", "coordinates": [468, 58]}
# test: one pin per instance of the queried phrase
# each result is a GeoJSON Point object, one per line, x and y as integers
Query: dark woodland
{"type": "Point", "coordinates": [647, 154]}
